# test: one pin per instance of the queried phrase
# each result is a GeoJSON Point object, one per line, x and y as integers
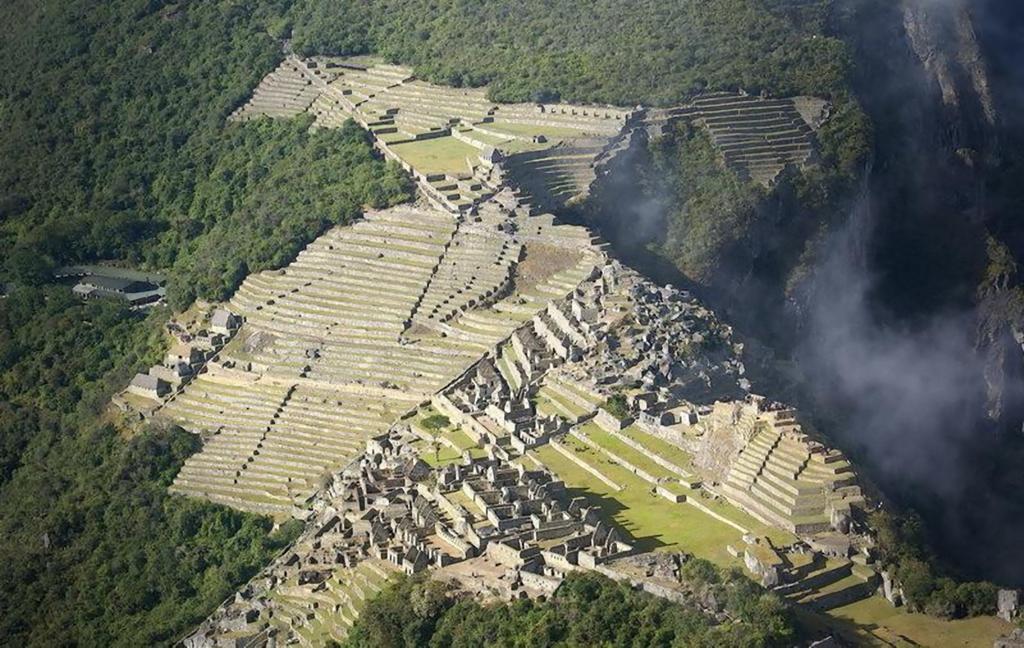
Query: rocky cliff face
{"type": "Point", "coordinates": [941, 81]}
{"type": "Point", "coordinates": [946, 38]}
{"type": "Point", "coordinates": [943, 37]}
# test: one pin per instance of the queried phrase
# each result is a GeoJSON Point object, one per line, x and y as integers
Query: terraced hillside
{"type": "Point", "coordinates": [784, 478]}
{"type": "Point", "coordinates": [756, 137]}
{"type": "Point", "coordinates": [269, 443]}
{"type": "Point", "coordinates": [550, 150]}
{"type": "Point", "coordinates": [520, 332]}
{"type": "Point", "coordinates": [440, 134]}
{"type": "Point", "coordinates": [286, 92]}
{"type": "Point", "coordinates": [477, 269]}
{"type": "Point", "coordinates": [368, 321]}
{"type": "Point", "coordinates": [322, 612]}
{"type": "Point", "coordinates": [335, 315]}
{"type": "Point", "coordinates": [557, 176]}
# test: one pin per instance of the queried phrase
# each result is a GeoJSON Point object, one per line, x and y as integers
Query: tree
{"type": "Point", "coordinates": [436, 422]}
{"type": "Point", "coordinates": [617, 406]}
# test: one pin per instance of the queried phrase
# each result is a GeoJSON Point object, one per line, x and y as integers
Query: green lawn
{"type": "Point", "coordinates": [588, 396]}
{"type": "Point", "coordinates": [652, 520]}
{"type": "Point", "coordinates": [438, 155]}
{"type": "Point", "coordinates": [662, 448]}
{"type": "Point", "coordinates": [657, 523]}
{"type": "Point", "coordinates": [529, 130]}
{"type": "Point", "coordinates": [620, 449]}
{"type": "Point", "coordinates": [546, 407]}
{"type": "Point", "coordinates": [505, 368]}
{"type": "Point", "coordinates": [778, 536]}
{"type": "Point", "coordinates": [464, 442]}
{"type": "Point", "coordinates": [487, 138]}
{"type": "Point", "coordinates": [565, 404]}
{"type": "Point", "coordinates": [871, 620]}
{"type": "Point", "coordinates": [461, 439]}
{"type": "Point", "coordinates": [444, 454]}
{"type": "Point", "coordinates": [441, 456]}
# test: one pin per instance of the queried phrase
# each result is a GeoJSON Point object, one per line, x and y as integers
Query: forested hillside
{"type": "Point", "coordinates": [114, 146]}
{"type": "Point", "coordinates": [657, 52]}
{"type": "Point", "coordinates": [95, 551]}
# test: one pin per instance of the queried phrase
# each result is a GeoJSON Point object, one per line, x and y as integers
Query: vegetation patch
{"type": "Point", "coordinates": [902, 544]}
{"type": "Point", "coordinates": [538, 50]}
{"type": "Point", "coordinates": [587, 610]}
{"type": "Point", "coordinates": [617, 406]}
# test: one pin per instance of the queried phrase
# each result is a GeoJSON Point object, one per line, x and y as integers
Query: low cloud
{"type": "Point", "coordinates": [911, 396]}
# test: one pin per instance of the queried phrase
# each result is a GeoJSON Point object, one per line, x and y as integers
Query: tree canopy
{"type": "Point", "coordinates": [95, 550]}
{"type": "Point", "coordinates": [115, 145]}
{"type": "Point", "coordinates": [607, 51]}
{"type": "Point", "coordinates": [586, 610]}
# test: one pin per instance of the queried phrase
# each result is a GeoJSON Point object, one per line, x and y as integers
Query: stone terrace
{"type": "Point", "coordinates": [784, 478]}
{"type": "Point", "coordinates": [554, 177]}
{"type": "Point", "coordinates": [437, 133]}
{"type": "Point", "coordinates": [286, 92]}
{"type": "Point", "coordinates": [369, 320]}
{"type": "Point", "coordinates": [335, 315]}
{"type": "Point", "coordinates": [477, 267]}
{"type": "Point", "coordinates": [268, 445]}
{"type": "Point", "coordinates": [756, 137]}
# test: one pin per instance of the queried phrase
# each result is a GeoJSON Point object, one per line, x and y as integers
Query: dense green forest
{"type": "Point", "coordinates": [587, 610]}
{"type": "Point", "coordinates": [60, 359]}
{"type": "Point", "coordinates": [113, 110]}
{"type": "Point", "coordinates": [114, 146]}
{"type": "Point", "coordinates": [95, 551]}
{"type": "Point", "coordinates": [657, 53]}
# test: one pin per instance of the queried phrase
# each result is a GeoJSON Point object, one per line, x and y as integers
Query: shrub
{"type": "Point", "coordinates": [617, 406]}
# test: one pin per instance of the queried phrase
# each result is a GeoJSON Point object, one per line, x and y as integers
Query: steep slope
{"type": "Point", "coordinates": [939, 251]}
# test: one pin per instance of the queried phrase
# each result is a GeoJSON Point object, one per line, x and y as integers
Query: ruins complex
{"type": "Point", "coordinates": [453, 385]}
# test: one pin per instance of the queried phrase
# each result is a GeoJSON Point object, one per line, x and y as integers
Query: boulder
{"type": "Point", "coordinates": [890, 590]}
{"type": "Point", "coordinates": [840, 520]}
{"type": "Point", "coordinates": [1013, 640]}
{"type": "Point", "coordinates": [1008, 604]}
